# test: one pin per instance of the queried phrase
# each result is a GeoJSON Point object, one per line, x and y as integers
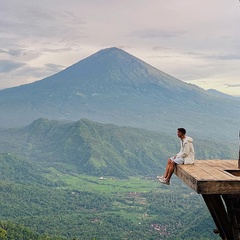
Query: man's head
{"type": "Point", "coordinates": [181, 133]}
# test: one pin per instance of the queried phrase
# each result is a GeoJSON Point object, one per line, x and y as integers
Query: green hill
{"type": "Point", "coordinates": [101, 149]}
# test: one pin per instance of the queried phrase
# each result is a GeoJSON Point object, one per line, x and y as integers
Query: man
{"type": "Point", "coordinates": [185, 156]}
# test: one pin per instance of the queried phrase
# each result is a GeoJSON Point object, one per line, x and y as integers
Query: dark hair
{"type": "Point", "coordinates": [182, 130]}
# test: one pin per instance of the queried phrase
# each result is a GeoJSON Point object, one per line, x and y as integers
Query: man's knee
{"type": "Point", "coordinates": [171, 162]}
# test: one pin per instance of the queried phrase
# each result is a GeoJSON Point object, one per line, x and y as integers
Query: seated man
{"type": "Point", "coordinates": [185, 156]}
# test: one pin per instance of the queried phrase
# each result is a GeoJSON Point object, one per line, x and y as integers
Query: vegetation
{"type": "Point", "coordinates": [12, 231]}
{"type": "Point", "coordinates": [134, 208]}
{"type": "Point", "coordinates": [50, 185]}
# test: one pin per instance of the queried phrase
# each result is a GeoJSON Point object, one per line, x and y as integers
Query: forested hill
{"type": "Point", "coordinates": [101, 149]}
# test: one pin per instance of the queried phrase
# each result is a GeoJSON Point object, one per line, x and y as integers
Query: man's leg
{"type": "Point", "coordinates": [171, 166]}
{"type": "Point", "coordinates": [170, 169]}
{"type": "Point", "coordinates": [167, 168]}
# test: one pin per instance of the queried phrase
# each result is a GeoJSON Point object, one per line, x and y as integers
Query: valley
{"type": "Point", "coordinates": [86, 207]}
{"type": "Point", "coordinates": [65, 181]}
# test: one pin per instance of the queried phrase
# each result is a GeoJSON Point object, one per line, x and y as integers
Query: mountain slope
{"type": "Point", "coordinates": [112, 86]}
{"type": "Point", "coordinates": [21, 170]}
{"type": "Point", "coordinates": [223, 95]}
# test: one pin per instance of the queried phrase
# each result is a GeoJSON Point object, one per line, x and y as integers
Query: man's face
{"type": "Point", "coordinates": [180, 134]}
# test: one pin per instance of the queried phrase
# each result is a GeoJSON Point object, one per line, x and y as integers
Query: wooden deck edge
{"type": "Point", "coordinates": [187, 179]}
{"type": "Point", "coordinates": [207, 186]}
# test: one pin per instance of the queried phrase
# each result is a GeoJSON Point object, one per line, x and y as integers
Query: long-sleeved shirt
{"type": "Point", "coordinates": [187, 150]}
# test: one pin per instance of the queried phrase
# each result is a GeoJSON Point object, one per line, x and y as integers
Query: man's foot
{"type": "Point", "coordinates": [160, 177]}
{"type": "Point", "coordinates": [164, 181]}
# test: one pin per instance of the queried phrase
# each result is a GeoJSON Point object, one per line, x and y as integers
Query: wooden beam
{"type": "Point", "coordinates": [232, 202]}
{"type": "Point", "coordinates": [216, 208]}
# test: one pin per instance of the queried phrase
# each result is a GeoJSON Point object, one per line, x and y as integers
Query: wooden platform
{"type": "Point", "coordinates": [219, 183]}
{"type": "Point", "coordinates": [211, 176]}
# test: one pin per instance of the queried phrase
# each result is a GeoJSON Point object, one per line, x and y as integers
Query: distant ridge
{"type": "Point", "coordinates": [112, 86]}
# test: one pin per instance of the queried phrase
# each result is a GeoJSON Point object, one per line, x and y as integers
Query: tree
{"type": "Point", "coordinates": [3, 234]}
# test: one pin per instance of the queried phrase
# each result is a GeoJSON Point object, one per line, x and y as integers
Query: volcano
{"type": "Point", "coordinates": [112, 86]}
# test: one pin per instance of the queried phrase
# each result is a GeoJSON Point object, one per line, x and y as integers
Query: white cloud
{"type": "Point", "coordinates": [155, 33]}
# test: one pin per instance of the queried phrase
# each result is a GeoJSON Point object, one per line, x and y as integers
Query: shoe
{"type": "Point", "coordinates": [164, 181]}
{"type": "Point", "coordinates": [160, 177]}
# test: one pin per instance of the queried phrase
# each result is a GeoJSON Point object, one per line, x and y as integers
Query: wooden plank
{"type": "Point", "coordinates": [211, 163]}
{"type": "Point", "coordinates": [215, 172]}
{"type": "Point", "coordinates": [208, 169]}
{"type": "Point", "coordinates": [196, 171]}
{"type": "Point", "coordinates": [199, 174]}
{"type": "Point", "coordinates": [232, 164]}
{"type": "Point", "coordinates": [220, 163]}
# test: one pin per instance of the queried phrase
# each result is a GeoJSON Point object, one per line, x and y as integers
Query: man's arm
{"type": "Point", "coordinates": [185, 150]}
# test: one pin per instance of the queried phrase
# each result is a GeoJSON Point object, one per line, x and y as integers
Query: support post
{"type": "Point", "coordinates": [232, 202]}
{"type": "Point", "coordinates": [219, 214]}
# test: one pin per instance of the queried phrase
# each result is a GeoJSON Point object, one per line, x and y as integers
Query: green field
{"type": "Point", "coordinates": [110, 185]}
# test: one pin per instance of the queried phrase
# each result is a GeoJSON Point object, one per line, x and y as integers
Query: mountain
{"type": "Point", "coordinates": [112, 86]}
{"type": "Point", "coordinates": [98, 149]}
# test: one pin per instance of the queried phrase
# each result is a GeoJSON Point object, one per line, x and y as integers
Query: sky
{"type": "Point", "coordinates": [196, 41]}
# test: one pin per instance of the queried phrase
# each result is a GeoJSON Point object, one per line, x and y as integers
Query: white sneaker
{"type": "Point", "coordinates": [164, 181]}
{"type": "Point", "coordinates": [160, 177]}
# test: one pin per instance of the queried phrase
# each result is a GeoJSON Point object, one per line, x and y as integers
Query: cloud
{"type": "Point", "coordinates": [53, 67]}
{"type": "Point", "coordinates": [9, 66]}
{"type": "Point", "coordinates": [232, 85]}
{"type": "Point", "coordinates": [156, 33]}
{"type": "Point", "coordinates": [214, 55]}
{"type": "Point", "coordinates": [30, 21]}
{"type": "Point", "coordinates": [25, 74]}
{"type": "Point", "coordinates": [38, 72]}
{"type": "Point", "coordinates": [14, 52]}
{"type": "Point", "coordinates": [157, 48]}
{"type": "Point", "coordinates": [56, 50]}
{"type": "Point", "coordinates": [226, 56]}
